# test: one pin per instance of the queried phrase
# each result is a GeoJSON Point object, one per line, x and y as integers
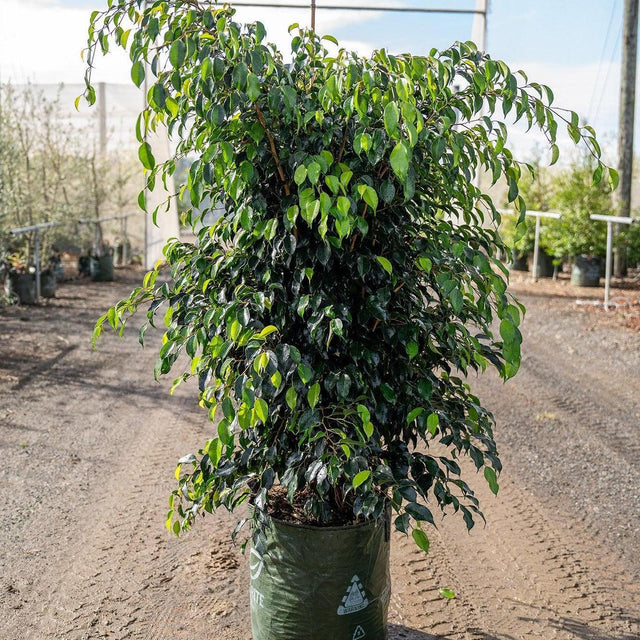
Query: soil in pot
{"type": "Point", "coordinates": [585, 271]}
{"type": "Point", "coordinates": [319, 582]}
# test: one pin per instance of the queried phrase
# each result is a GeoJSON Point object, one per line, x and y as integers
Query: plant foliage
{"type": "Point", "coordinates": [332, 314]}
{"type": "Point", "coordinates": [576, 198]}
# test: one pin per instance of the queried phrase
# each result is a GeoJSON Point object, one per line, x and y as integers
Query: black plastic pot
{"type": "Point", "coordinates": [315, 583]}
{"type": "Point", "coordinates": [101, 268]}
{"type": "Point", "coordinates": [586, 271]}
{"type": "Point", "coordinates": [545, 265]}
{"type": "Point", "coordinates": [47, 284]}
{"type": "Point", "coordinates": [22, 286]}
{"type": "Point", "coordinates": [518, 262]}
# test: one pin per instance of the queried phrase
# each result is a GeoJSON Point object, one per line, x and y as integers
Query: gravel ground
{"type": "Point", "coordinates": [89, 442]}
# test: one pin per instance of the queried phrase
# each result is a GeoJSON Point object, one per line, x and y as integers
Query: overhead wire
{"type": "Point", "coordinates": [606, 78]}
{"type": "Point", "coordinates": [338, 7]}
{"type": "Point", "coordinates": [601, 61]}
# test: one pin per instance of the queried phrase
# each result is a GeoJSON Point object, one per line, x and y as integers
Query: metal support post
{"type": "Point", "coordinates": [610, 220]}
{"type": "Point", "coordinates": [36, 242]}
{"type": "Point", "coordinates": [536, 244]}
{"type": "Point", "coordinates": [607, 271]}
{"type": "Point", "coordinates": [536, 248]}
{"type": "Point", "coordinates": [125, 249]}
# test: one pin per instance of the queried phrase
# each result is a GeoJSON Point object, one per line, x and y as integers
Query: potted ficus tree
{"type": "Point", "coordinates": [332, 313]}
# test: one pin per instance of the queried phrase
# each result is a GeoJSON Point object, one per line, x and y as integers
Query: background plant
{"type": "Point", "coordinates": [536, 188]}
{"type": "Point", "coordinates": [576, 197]}
{"type": "Point", "coordinates": [629, 237]}
{"type": "Point", "coordinates": [332, 314]}
{"type": "Point", "coordinates": [52, 171]}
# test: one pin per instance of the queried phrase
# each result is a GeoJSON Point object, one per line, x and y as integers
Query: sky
{"type": "Point", "coordinates": [571, 45]}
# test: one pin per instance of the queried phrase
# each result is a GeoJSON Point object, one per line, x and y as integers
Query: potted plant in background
{"type": "Point", "coordinates": [629, 238]}
{"type": "Point", "coordinates": [519, 241]}
{"type": "Point", "coordinates": [331, 314]}
{"type": "Point", "coordinates": [536, 188]}
{"type": "Point", "coordinates": [575, 236]}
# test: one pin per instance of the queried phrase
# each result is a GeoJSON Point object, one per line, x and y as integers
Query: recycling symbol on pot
{"type": "Point", "coordinates": [359, 633]}
{"type": "Point", "coordinates": [256, 564]}
{"type": "Point", "coordinates": [355, 599]}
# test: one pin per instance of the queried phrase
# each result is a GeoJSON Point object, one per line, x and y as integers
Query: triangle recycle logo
{"type": "Point", "coordinates": [359, 633]}
{"type": "Point", "coordinates": [355, 599]}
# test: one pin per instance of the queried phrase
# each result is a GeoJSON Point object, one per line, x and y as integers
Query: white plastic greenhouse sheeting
{"type": "Point", "coordinates": [123, 104]}
{"type": "Point", "coordinates": [166, 221]}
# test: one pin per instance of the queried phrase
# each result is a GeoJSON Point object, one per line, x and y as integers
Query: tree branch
{"type": "Point", "coordinates": [274, 151]}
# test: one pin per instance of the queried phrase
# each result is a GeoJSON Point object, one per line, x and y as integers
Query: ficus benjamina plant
{"type": "Point", "coordinates": [333, 314]}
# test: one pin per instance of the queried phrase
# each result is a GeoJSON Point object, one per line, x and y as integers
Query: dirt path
{"type": "Point", "coordinates": [88, 443]}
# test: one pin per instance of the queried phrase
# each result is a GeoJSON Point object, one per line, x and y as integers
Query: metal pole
{"type": "Point", "coordinates": [102, 115]}
{"type": "Point", "coordinates": [536, 249]}
{"type": "Point", "coordinates": [313, 15]}
{"type": "Point", "coordinates": [626, 113]}
{"type": "Point", "coordinates": [479, 28]}
{"type": "Point", "coordinates": [607, 273]}
{"type": "Point", "coordinates": [479, 36]}
{"type": "Point", "coordinates": [336, 7]}
{"type": "Point", "coordinates": [124, 241]}
{"type": "Point", "coordinates": [37, 252]}
{"type": "Point", "coordinates": [610, 220]}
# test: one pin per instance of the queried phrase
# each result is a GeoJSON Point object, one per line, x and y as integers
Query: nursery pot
{"type": "Point", "coordinates": [47, 284]}
{"type": "Point", "coordinates": [545, 265]}
{"type": "Point", "coordinates": [101, 268]}
{"type": "Point", "coordinates": [23, 286]}
{"type": "Point", "coordinates": [585, 271]}
{"type": "Point", "coordinates": [518, 262]}
{"type": "Point", "coordinates": [321, 582]}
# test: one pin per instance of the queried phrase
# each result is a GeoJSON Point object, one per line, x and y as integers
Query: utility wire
{"type": "Point", "coordinates": [600, 62]}
{"type": "Point", "coordinates": [606, 78]}
{"type": "Point", "coordinates": [335, 7]}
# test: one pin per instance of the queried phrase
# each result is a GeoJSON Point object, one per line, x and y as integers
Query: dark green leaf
{"type": "Point", "coordinates": [491, 478]}
{"type": "Point", "coordinates": [137, 73]}
{"type": "Point", "coordinates": [177, 53]}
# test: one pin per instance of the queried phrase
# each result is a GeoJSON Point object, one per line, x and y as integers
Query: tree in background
{"type": "Point", "coordinates": [536, 188]}
{"type": "Point", "coordinates": [576, 197]}
{"type": "Point", "coordinates": [52, 171]}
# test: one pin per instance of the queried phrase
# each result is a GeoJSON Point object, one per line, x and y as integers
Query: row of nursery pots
{"type": "Point", "coordinates": [21, 287]}
{"type": "Point", "coordinates": [586, 271]}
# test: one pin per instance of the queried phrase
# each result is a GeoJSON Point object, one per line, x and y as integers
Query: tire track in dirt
{"type": "Point", "coordinates": [521, 577]}
{"type": "Point", "coordinates": [572, 433]}
{"type": "Point", "coordinates": [98, 563]}
{"type": "Point", "coordinates": [86, 556]}
{"type": "Point", "coordinates": [415, 600]}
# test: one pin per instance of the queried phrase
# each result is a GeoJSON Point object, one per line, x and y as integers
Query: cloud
{"type": "Point", "coordinates": [41, 40]}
